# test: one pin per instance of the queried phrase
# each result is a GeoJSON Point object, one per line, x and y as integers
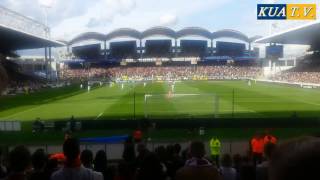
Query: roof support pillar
{"type": "Point", "coordinates": [46, 61]}
{"type": "Point", "coordinates": [211, 50]}
{"type": "Point", "coordinates": [105, 49]}
{"type": "Point", "coordinates": [175, 47]}
{"type": "Point", "coordinates": [140, 48]}
{"type": "Point", "coordinates": [50, 63]}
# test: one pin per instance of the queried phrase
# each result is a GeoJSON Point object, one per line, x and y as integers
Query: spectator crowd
{"type": "Point", "coordinates": [298, 77]}
{"type": "Point", "coordinates": [164, 73]}
{"type": "Point", "coordinates": [15, 87]}
{"type": "Point", "coordinates": [293, 160]}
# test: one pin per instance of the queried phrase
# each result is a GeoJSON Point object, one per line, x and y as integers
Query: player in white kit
{"type": "Point", "coordinates": [172, 87]}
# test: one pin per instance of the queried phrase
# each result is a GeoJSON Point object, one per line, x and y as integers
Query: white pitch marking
{"type": "Point", "coordinates": [99, 116]}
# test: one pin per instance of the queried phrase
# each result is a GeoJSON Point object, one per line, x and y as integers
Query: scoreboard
{"type": "Point", "coordinates": [230, 49]}
{"type": "Point", "coordinates": [87, 52]}
{"type": "Point", "coordinates": [193, 47]}
{"type": "Point", "coordinates": [158, 48]}
{"type": "Point", "coordinates": [123, 49]}
{"type": "Point", "coordinates": [274, 51]}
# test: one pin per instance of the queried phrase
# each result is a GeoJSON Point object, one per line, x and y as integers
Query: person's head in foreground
{"type": "Point", "coordinates": [86, 158]}
{"type": "Point", "coordinates": [226, 161]}
{"type": "Point", "coordinates": [100, 161]}
{"type": "Point", "coordinates": [197, 149]}
{"type": "Point", "coordinates": [39, 159]}
{"type": "Point", "coordinates": [19, 160]}
{"type": "Point", "coordinates": [296, 160]}
{"type": "Point", "coordinates": [71, 150]}
{"type": "Point", "coordinates": [197, 167]}
{"type": "Point", "coordinates": [268, 150]}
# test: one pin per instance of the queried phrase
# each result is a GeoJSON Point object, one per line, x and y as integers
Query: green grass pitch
{"type": "Point", "coordinates": [258, 100]}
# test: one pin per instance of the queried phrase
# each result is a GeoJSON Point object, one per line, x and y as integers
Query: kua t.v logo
{"type": "Point", "coordinates": [286, 11]}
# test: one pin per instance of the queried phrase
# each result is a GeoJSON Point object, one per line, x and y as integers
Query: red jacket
{"type": "Point", "coordinates": [257, 145]}
{"type": "Point", "coordinates": [269, 139]}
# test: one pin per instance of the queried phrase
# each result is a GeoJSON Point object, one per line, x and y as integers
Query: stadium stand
{"type": "Point", "coordinates": [18, 82]}
{"type": "Point", "coordinates": [163, 73]}
{"type": "Point", "coordinates": [3, 75]}
{"type": "Point", "coordinates": [306, 71]}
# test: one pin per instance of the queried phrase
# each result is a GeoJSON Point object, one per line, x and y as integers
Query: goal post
{"type": "Point", "coordinates": [181, 105]}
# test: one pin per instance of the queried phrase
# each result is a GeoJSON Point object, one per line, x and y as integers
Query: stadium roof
{"type": "Point", "coordinates": [164, 31]}
{"type": "Point", "coordinates": [230, 33]}
{"type": "Point", "coordinates": [87, 36]}
{"type": "Point", "coordinates": [158, 31]}
{"type": "Point", "coordinates": [196, 31]}
{"type": "Point", "coordinates": [124, 32]}
{"type": "Point", "coordinates": [12, 39]}
{"type": "Point", "coordinates": [254, 38]}
{"type": "Point", "coordinates": [305, 35]}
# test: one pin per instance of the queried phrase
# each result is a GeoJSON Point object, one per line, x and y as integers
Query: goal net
{"type": "Point", "coordinates": [180, 105]}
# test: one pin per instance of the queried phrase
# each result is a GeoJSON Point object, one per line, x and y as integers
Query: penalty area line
{"type": "Point", "coordinates": [99, 116]}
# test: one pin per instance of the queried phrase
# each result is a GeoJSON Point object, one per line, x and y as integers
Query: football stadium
{"type": "Point", "coordinates": [156, 102]}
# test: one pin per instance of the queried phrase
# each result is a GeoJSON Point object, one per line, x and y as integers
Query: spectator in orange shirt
{"type": "Point", "coordinates": [137, 135]}
{"type": "Point", "coordinates": [269, 139]}
{"type": "Point", "coordinates": [257, 145]}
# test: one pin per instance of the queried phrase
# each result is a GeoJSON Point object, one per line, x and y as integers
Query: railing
{"type": "Point", "coordinates": [19, 22]}
{"type": "Point", "coordinates": [9, 126]}
{"type": "Point", "coordinates": [114, 151]}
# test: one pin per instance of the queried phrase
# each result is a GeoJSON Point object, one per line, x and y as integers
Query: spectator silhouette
{"type": "Point", "coordinates": [52, 166]}
{"type": "Point", "coordinates": [263, 168]}
{"type": "Point", "coordinates": [87, 159]}
{"type": "Point", "coordinates": [39, 161]}
{"type": "Point", "coordinates": [226, 169]}
{"type": "Point", "coordinates": [72, 169]}
{"type": "Point", "coordinates": [101, 165]}
{"type": "Point", "coordinates": [142, 152]}
{"type": "Point", "coordinates": [237, 160]}
{"type": "Point", "coordinates": [197, 167]}
{"type": "Point", "coordinates": [125, 171]}
{"type": "Point", "coordinates": [177, 158]}
{"type": "Point", "coordinates": [247, 169]}
{"type": "Point", "coordinates": [151, 168]}
{"type": "Point", "coordinates": [295, 160]}
{"type": "Point", "coordinates": [19, 163]}
{"type": "Point", "coordinates": [3, 169]}
{"type": "Point", "coordinates": [129, 152]}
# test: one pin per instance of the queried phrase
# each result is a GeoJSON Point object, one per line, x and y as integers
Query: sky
{"type": "Point", "coordinates": [69, 18]}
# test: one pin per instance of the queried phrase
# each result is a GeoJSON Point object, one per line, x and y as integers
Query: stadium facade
{"type": "Point", "coordinates": [163, 42]}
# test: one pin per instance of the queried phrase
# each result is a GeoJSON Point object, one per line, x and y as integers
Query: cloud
{"type": "Point", "coordinates": [104, 11]}
{"type": "Point", "coordinates": [68, 18]}
{"type": "Point", "coordinates": [106, 15]}
{"type": "Point", "coordinates": [47, 3]}
{"type": "Point", "coordinates": [168, 20]}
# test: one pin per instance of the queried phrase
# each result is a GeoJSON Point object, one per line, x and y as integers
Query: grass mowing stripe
{"type": "Point", "coordinates": [273, 92]}
{"type": "Point", "coordinates": [12, 104]}
{"type": "Point", "coordinates": [258, 100]}
{"type": "Point", "coordinates": [123, 102]}
{"type": "Point", "coordinates": [225, 103]}
{"type": "Point", "coordinates": [44, 108]}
